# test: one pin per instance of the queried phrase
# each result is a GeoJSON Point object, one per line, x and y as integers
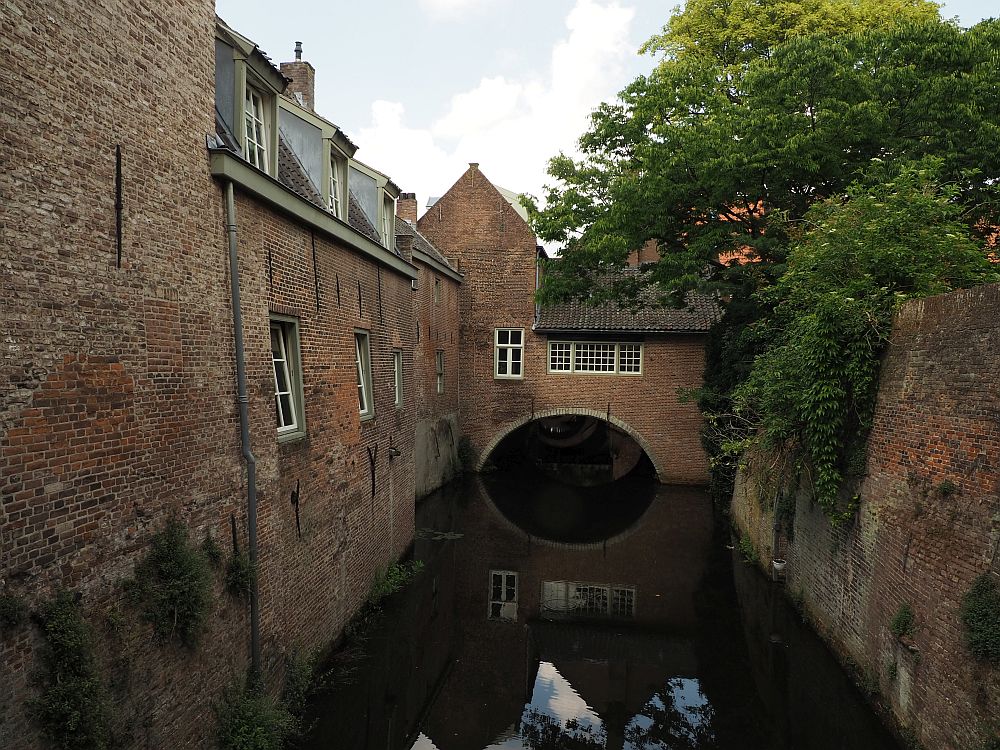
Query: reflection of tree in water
{"type": "Point", "coordinates": [668, 723]}
{"type": "Point", "coordinates": [539, 731]}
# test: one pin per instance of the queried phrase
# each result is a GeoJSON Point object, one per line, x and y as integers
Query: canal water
{"type": "Point", "coordinates": [620, 617]}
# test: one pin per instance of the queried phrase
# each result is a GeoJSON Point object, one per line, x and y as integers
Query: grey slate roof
{"type": "Point", "coordinates": [405, 229]}
{"type": "Point", "coordinates": [700, 312]}
{"type": "Point", "coordinates": [357, 219]}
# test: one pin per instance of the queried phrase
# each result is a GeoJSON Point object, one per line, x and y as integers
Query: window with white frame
{"type": "Point", "coordinates": [255, 146]}
{"type": "Point", "coordinates": [388, 213]}
{"type": "Point", "coordinates": [439, 369]}
{"type": "Point", "coordinates": [362, 353]}
{"type": "Point", "coordinates": [582, 599]}
{"type": "Point", "coordinates": [503, 595]}
{"type": "Point", "coordinates": [397, 375]}
{"type": "Point", "coordinates": [595, 357]}
{"type": "Point", "coordinates": [334, 201]}
{"type": "Point", "coordinates": [289, 414]}
{"type": "Point", "coordinates": [508, 360]}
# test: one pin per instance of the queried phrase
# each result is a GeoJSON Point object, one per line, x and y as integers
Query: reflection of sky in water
{"type": "Point", "coordinates": [557, 706]}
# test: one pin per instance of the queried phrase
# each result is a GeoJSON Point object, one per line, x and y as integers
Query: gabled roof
{"type": "Point", "coordinates": [697, 316]}
{"type": "Point", "coordinates": [422, 245]}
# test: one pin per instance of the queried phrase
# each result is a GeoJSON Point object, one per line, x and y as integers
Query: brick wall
{"type": "Point", "coordinates": [929, 523]}
{"type": "Point", "coordinates": [496, 251]}
{"type": "Point", "coordinates": [118, 405]}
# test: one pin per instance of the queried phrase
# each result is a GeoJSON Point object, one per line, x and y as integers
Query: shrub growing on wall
{"type": "Point", "coordinates": [172, 585]}
{"type": "Point", "coordinates": [981, 617]}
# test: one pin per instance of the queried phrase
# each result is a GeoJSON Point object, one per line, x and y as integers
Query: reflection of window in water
{"type": "Point", "coordinates": [587, 599]}
{"type": "Point", "coordinates": [503, 595]}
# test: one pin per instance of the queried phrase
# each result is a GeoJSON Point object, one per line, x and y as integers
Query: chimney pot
{"type": "Point", "coordinates": [298, 51]}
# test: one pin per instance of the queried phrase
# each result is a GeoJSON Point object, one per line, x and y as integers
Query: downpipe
{"type": "Point", "coordinates": [241, 390]}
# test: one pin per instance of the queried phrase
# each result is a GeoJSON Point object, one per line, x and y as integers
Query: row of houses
{"type": "Point", "coordinates": [213, 311]}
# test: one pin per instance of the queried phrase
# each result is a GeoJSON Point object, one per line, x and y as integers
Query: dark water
{"type": "Point", "coordinates": [650, 634]}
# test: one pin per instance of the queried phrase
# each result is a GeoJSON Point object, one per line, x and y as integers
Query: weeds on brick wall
{"type": "Point", "coordinates": [172, 585]}
{"type": "Point", "coordinates": [249, 719]}
{"type": "Point", "coordinates": [13, 612]}
{"type": "Point", "coordinates": [301, 679]}
{"type": "Point", "coordinates": [903, 622]}
{"type": "Point", "coordinates": [212, 551]}
{"type": "Point", "coordinates": [981, 618]}
{"type": "Point", "coordinates": [72, 709]}
{"type": "Point", "coordinates": [240, 574]}
{"type": "Point", "coordinates": [387, 582]}
{"type": "Point", "coordinates": [747, 550]}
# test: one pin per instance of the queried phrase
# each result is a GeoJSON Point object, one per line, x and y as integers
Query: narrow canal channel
{"type": "Point", "coordinates": [617, 617]}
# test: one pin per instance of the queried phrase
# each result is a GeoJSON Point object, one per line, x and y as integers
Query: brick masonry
{"type": "Point", "coordinates": [929, 523]}
{"type": "Point", "coordinates": [495, 249]}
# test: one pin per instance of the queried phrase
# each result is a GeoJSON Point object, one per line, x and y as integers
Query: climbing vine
{"type": "Point", "coordinates": [72, 708]}
{"type": "Point", "coordinates": [981, 618]}
{"type": "Point", "coordinates": [896, 235]}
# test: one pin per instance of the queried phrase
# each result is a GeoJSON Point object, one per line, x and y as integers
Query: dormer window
{"type": "Point", "coordinates": [255, 146]}
{"type": "Point", "coordinates": [388, 212]}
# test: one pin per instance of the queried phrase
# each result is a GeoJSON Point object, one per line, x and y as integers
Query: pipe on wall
{"type": "Point", "coordinates": [241, 390]}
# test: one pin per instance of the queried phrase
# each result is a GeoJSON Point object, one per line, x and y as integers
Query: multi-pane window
{"type": "Point", "coordinates": [362, 353]}
{"type": "Point", "coordinates": [595, 357]}
{"type": "Point", "coordinates": [622, 602]}
{"type": "Point", "coordinates": [439, 369]}
{"type": "Point", "coordinates": [560, 356]}
{"type": "Point", "coordinates": [255, 147]}
{"type": "Point", "coordinates": [579, 599]}
{"type": "Point", "coordinates": [503, 595]}
{"type": "Point", "coordinates": [287, 377]}
{"type": "Point", "coordinates": [397, 375]}
{"type": "Point", "coordinates": [334, 201]}
{"type": "Point", "coordinates": [509, 353]}
{"type": "Point", "coordinates": [388, 211]}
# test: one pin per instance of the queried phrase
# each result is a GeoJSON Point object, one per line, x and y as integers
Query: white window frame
{"type": "Point", "coordinates": [439, 370]}
{"type": "Point", "coordinates": [388, 212]}
{"type": "Point", "coordinates": [557, 348]}
{"type": "Point", "coordinates": [334, 200]}
{"type": "Point", "coordinates": [504, 354]}
{"type": "Point", "coordinates": [504, 606]}
{"type": "Point", "coordinates": [286, 365]}
{"type": "Point", "coordinates": [363, 371]}
{"type": "Point", "coordinates": [257, 133]}
{"type": "Point", "coordinates": [397, 376]}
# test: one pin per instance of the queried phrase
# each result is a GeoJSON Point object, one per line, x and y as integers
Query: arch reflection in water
{"type": "Point", "coordinates": [674, 666]}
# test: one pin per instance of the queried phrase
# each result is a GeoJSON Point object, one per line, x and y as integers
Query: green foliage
{"type": "Point", "coordinates": [903, 622]}
{"type": "Point", "coordinates": [251, 720]}
{"type": "Point", "coordinates": [981, 618]}
{"type": "Point", "coordinates": [392, 579]}
{"type": "Point", "coordinates": [240, 574]}
{"type": "Point", "coordinates": [300, 673]}
{"type": "Point", "coordinates": [895, 236]}
{"type": "Point", "coordinates": [747, 550]}
{"type": "Point", "coordinates": [13, 611]}
{"type": "Point", "coordinates": [72, 708]}
{"type": "Point", "coordinates": [172, 585]}
{"type": "Point", "coordinates": [212, 551]}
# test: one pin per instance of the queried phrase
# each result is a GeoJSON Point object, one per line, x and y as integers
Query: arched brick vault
{"type": "Point", "coordinates": [508, 428]}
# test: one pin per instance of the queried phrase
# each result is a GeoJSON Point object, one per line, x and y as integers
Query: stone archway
{"type": "Point", "coordinates": [509, 427]}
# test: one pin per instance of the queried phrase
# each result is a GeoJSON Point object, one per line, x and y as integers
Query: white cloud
{"type": "Point", "coordinates": [511, 127]}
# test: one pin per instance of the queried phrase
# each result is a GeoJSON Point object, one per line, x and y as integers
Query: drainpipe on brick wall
{"type": "Point", "coordinates": [241, 389]}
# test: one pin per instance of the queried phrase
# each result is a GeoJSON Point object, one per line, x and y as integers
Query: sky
{"type": "Point", "coordinates": [424, 87]}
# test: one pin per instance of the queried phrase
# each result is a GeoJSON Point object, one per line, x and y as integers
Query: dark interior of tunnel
{"type": "Point", "coordinates": [574, 449]}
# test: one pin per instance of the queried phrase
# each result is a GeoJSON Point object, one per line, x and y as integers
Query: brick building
{"type": "Point", "coordinates": [520, 363]}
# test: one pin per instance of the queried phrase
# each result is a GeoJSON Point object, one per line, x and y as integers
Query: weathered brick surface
{"type": "Point", "coordinates": [929, 523]}
{"type": "Point", "coordinates": [117, 403]}
{"type": "Point", "coordinates": [496, 251]}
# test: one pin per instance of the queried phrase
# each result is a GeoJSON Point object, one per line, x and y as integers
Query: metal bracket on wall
{"type": "Point", "coordinates": [295, 504]}
{"type": "Point", "coordinates": [372, 458]}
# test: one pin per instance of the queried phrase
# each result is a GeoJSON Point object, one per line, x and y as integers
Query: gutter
{"type": "Point", "coordinates": [230, 168]}
{"type": "Point", "coordinates": [241, 390]}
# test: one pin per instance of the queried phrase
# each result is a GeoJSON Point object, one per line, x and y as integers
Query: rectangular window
{"type": "Point", "coordinates": [594, 358]}
{"type": "Point", "coordinates": [388, 214]}
{"type": "Point", "coordinates": [560, 356]}
{"type": "Point", "coordinates": [580, 599]}
{"type": "Point", "coordinates": [508, 360]}
{"type": "Point", "coordinates": [439, 369]}
{"type": "Point", "coordinates": [255, 147]}
{"type": "Point", "coordinates": [288, 410]}
{"type": "Point", "coordinates": [362, 352]}
{"type": "Point", "coordinates": [437, 289]}
{"type": "Point", "coordinates": [397, 374]}
{"type": "Point", "coordinates": [572, 356]}
{"type": "Point", "coordinates": [334, 201]}
{"type": "Point", "coordinates": [503, 595]}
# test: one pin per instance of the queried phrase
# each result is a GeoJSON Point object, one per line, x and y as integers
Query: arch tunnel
{"type": "Point", "coordinates": [575, 448]}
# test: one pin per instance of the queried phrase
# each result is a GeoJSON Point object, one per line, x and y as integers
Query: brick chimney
{"type": "Point", "coordinates": [302, 77]}
{"type": "Point", "coordinates": [406, 207]}
{"type": "Point", "coordinates": [648, 253]}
